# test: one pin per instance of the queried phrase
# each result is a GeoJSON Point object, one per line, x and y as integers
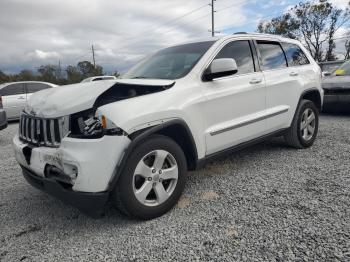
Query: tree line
{"type": "Point", "coordinates": [314, 24]}
{"type": "Point", "coordinates": [55, 74]}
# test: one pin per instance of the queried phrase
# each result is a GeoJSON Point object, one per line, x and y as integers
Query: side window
{"type": "Point", "coordinates": [295, 56]}
{"type": "Point", "coordinates": [14, 89]}
{"type": "Point", "coordinates": [35, 87]}
{"type": "Point", "coordinates": [242, 53]}
{"type": "Point", "coordinates": [272, 55]}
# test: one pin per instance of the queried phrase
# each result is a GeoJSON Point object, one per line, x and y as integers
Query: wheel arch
{"type": "Point", "coordinates": [176, 129]}
{"type": "Point", "coordinates": [313, 95]}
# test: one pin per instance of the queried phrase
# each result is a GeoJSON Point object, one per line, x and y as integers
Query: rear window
{"type": "Point", "coordinates": [35, 87]}
{"type": "Point", "coordinates": [12, 89]}
{"type": "Point", "coordinates": [295, 56]}
{"type": "Point", "coordinates": [272, 55]}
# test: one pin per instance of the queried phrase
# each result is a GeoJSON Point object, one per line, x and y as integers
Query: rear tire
{"type": "Point", "coordinates": [304, 128]}
{"type": "Point", "coordinates": [152, 180]}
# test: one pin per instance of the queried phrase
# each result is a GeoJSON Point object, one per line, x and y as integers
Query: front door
{"type": "Point", "coordinates": [235, 106]}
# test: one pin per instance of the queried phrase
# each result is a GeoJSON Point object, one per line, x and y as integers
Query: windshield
{"type": "Point", "coordinates": [343, 70]}
{"type": "Point", "coordinates": [170, 63]}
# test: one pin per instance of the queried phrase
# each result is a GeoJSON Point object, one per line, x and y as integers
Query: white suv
{"type": "Point", "coordinates": [130, 142]}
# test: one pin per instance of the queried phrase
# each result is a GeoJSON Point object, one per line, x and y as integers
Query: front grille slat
{"type": "Point", "coordinates": [45, 132]}
{"type": "Point", "coordinates": [52, 131]}
{"type": "Point", "coordinates": [24, 127]}
{"type": "Point", "coordinates": [21, 127]}
{"type": "Point", "coordinates": [29, 130]}
{"type": "Point", "coordinates": [42, 132]}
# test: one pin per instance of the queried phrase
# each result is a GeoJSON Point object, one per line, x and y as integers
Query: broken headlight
{"type": "Point", "coordinates": [86, 125]}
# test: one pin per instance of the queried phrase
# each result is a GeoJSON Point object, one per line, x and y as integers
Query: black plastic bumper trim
{"type": "Point", "coordinates": [3, 126]}
{"type": "Point", "coordinates": [92, 204]}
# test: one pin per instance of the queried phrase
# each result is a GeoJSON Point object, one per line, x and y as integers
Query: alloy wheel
{"type": "Point", "coordinates": [155, 178]}
{"type": "Point", "coordinates": [308, 124]}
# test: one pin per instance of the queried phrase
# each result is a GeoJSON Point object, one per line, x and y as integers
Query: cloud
{"type": "Point", "coordinates": [42, 55]}
{"type": "Point", "coordinates": [41, 32]}
{"type": "Point", "coordinates": [34, 32]}
{"type": "Point", "coordinates": [340, 3]}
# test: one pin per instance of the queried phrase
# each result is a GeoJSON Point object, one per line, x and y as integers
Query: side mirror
{"type": "Point", "coordinates": [326, 73]}
{"type": "Point", "coordinates": [221, 67]}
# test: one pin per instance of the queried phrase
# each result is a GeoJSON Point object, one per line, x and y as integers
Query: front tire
{"type": "Point", "coordinates": [304, 128]}
{"type": "Point", "coordinates": [152, 180]}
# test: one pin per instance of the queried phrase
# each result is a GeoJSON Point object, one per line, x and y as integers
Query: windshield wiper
{"type": "Point", "coordinates": [139, 77]}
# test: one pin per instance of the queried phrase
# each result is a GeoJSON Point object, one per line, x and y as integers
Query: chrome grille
{"type": "Point", "coordinates": [43, 131]}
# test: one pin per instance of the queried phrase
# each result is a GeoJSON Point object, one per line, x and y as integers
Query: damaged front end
{"type": "Point", "coordinates": [71, 150]}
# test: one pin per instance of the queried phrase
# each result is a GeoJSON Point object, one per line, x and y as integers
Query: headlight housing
{"type": "Point", "coordinates": [86, 124]}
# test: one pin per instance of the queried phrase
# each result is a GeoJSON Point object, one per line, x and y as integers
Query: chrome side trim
{"type": "Point", "coordinates": [245, 123]}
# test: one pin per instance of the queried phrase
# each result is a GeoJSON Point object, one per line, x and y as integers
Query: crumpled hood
{"type": "Point", "coordinates": [69, 99]}
{"type": "Point", "coordinates": [336, 82]}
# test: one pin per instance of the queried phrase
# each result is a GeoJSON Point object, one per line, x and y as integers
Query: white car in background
{"type": "Point", "coordinates": [98, 78]}
{"type": "Point", "coordinates": [131, 141]}
{"type": "Point", "coordinates": [16, 94]}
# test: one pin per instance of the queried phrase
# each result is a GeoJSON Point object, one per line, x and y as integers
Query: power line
{"type": "Point", "coordinates": [169, 22]}
{"type": "Point", "coordinates": [191, 21]}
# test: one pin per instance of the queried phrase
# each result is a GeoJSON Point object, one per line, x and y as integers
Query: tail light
{"type": "Point", "coordinates": [0, 102]}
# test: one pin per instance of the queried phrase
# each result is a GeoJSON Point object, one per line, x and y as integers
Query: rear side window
{"type": "Point", "coordinates": [35, 87]}
{"type": "Point", "coordinates": [242, 53]}
{"type": "Point", "coordinates": [295, 56]}
{"type": "Point", "coordinates": [13, 89]}
{"type": "Point", "coordinates": [272, 55]}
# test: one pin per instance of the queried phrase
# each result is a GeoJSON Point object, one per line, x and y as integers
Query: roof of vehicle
{"type": "Point", "coordinates": [249, 35]}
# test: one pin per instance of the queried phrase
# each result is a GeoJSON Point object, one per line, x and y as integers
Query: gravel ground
{"type": "Point", "coordinates": [267, 202]}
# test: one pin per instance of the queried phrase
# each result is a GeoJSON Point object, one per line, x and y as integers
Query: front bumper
{"type": "Point", "coordinates": [83, 168]}
{"type": "Point", "coordinates": [92, 204]}
{"type": "Point", "coordinates": [337, 99]}
{"type": "Point", "coordinates": [3, 119]}
{"type": "Point", "coordinates": [90, 163]}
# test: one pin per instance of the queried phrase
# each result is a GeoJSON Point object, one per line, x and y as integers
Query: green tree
{"type": "Point", "coordinates": [54, 74]}
{"type": "Point", "coordinates": [313, 23]}
{"type": "Point", "coordinates": [26, 75]}
{"type": "Point", "coordinates": [73, 75]}
{"type": "Point", "coordinates": [116, 74]}
{"type": "Point", "coordinates": [87, 69]}
{"type": "Point", "coordinates": [48, 73]}
{"type": "Point", "coordinates": [4, 77]}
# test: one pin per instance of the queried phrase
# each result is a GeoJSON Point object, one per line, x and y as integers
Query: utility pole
{"type": "Point", "coordinates": [59, 69]}
{"type": "Point", "coordinates": [212, 19]}
{"type": "Point", "coordinates": [93, 55]}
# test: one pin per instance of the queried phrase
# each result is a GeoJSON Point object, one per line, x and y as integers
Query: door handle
{"type": "Point", "coordinates": [21, 97]}
{"type": "Point", "coordinates": [255, 81]}
{"type": "Point", "coordinates": [293, 74]}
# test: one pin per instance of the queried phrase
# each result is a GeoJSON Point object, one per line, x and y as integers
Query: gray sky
{"type": "Point", "coordinates": [40, 32]}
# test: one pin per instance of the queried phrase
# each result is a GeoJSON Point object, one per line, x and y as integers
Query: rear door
{"type": "Point", "coordinates": [35, 87]}
{"type": "Point", "coordinates": [14, 99]}
{"type": "Point", "coordinates": [235, 105]}
{"type": "Point", "coordinates": [282, 84]}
